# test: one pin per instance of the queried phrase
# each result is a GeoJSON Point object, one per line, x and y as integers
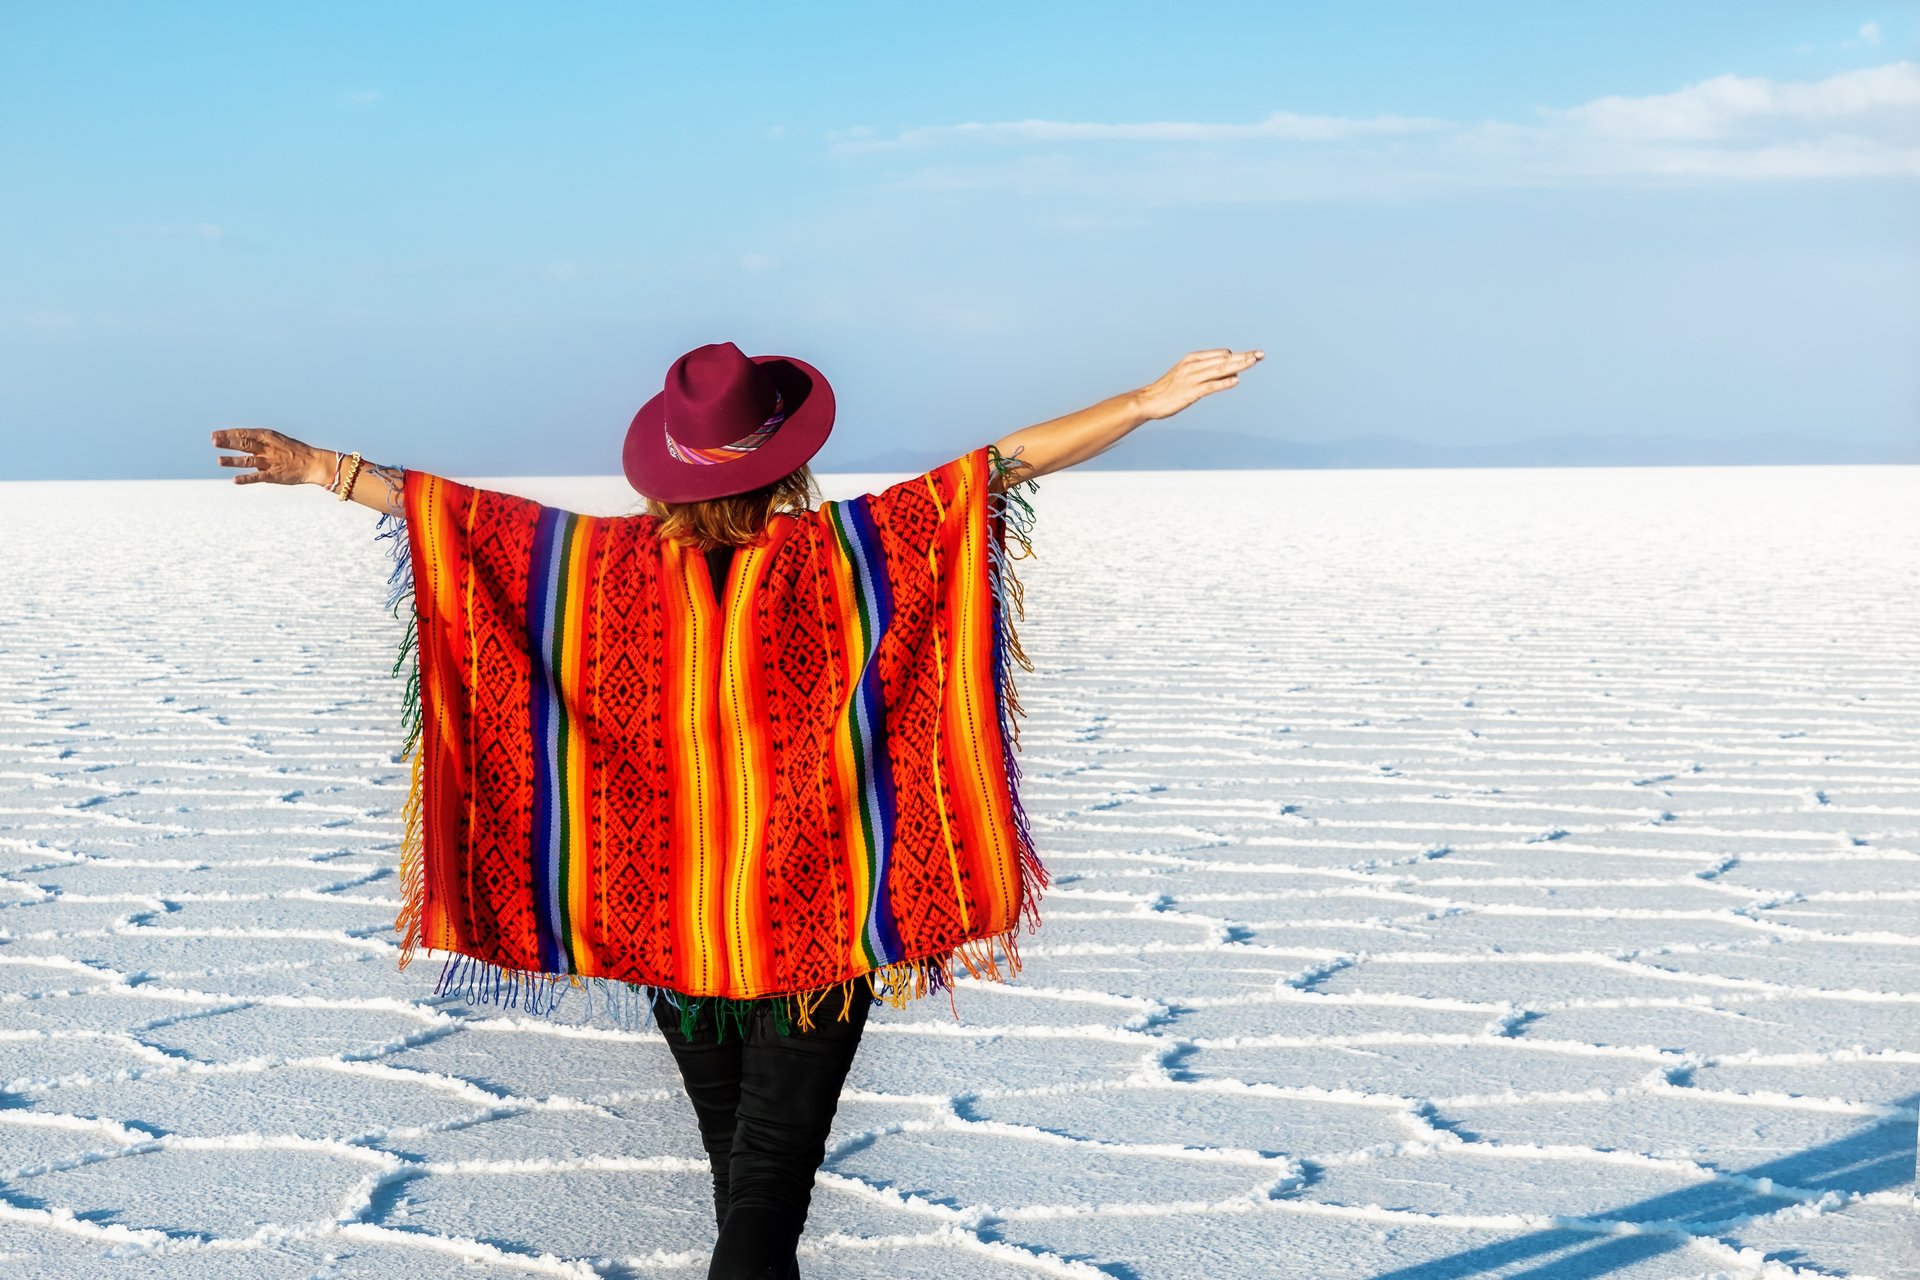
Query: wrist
{"type": "Point", "coordinates": [1139, 407]}
{"type": "Point", "coordinates": [322, 465]}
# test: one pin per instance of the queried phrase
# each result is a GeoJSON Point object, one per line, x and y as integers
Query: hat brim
{"type": "Point", "coordinates": [659, 475]}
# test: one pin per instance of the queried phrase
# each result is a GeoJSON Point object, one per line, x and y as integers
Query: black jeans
{"type": "Point", "coordinates": [765, 1102]}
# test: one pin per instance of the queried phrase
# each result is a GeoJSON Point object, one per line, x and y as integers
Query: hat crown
{"type": "Point", "coordinates": [715, 395]}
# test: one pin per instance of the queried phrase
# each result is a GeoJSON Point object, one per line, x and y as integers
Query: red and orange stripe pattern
{"type": "Point", "coordinates": [774, 785]}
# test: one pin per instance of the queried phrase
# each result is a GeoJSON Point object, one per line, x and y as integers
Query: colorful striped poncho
{"type": "Point", "coordinates": [629, 779]}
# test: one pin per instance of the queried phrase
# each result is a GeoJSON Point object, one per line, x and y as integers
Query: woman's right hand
{"type": "Point", "coordinates": [1198, 374]}
{"type": "Point", "coordinates": [275, 458]}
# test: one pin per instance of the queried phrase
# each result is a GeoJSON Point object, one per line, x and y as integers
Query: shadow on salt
{"type": "Point", "coordinates": [1875, 1156]}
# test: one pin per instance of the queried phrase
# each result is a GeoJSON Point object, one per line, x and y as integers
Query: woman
{"type": "Point", "coordinates": [736, 758]}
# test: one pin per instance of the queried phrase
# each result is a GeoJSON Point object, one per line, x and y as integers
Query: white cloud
{"type": "Point", "coordinates": [1856, 124]}
{"type": "Point", "coordinates": [211, 232]}
{"type": "Point", "coordinates": [1839, 158]}
{"type": "Point", "coordinates": [758, 262]}
{"type": "Point", "coordinates": [1870, 32]}
{"type": "Point", "coordinates": [1726, 105]}
{"type": "Point", "coordinates": [1859, 123]}
{"type": "Point", "coordinates": [361, 97]}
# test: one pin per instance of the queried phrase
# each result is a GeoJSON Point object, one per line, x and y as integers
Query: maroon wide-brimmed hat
{"type": "Point", "coordinates": [727, 423]}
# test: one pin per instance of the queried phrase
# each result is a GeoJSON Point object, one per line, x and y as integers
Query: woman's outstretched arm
{"type": "Point", "coordinates": [1066, 442]}
{"type": "Point", "coordinates": [280, 459]}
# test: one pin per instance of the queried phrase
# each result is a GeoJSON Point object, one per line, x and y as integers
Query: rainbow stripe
{"type": "Point", "coordinates": [556, 609]}
{"type": "Point", "coordinates": [860, 746]}
{"type": "Point", "coordinates": [695, 456]}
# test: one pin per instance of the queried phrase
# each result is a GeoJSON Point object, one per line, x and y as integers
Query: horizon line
{"type": "Point", "coordinates": [1107, 470]}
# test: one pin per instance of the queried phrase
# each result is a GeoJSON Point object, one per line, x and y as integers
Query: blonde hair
{"type": "Point", "coordinates": [737, 518]}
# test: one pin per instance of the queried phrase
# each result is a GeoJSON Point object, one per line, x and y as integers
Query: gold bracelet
{"type": "Point", "coordinates": [353, 473]}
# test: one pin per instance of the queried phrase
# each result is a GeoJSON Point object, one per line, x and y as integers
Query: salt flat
{"type": "Point", "coordinates": [1503, 873]}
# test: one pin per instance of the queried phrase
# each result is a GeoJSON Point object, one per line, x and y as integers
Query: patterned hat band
{"type": "Point", "coordinates": [729, 452]}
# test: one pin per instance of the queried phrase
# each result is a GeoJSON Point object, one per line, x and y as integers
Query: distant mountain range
{"type": "Point", "coordinates": [1193, 449]}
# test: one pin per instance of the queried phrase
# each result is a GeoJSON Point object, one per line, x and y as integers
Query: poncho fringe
{"type": "Point", "coordinates": [629, 1004]}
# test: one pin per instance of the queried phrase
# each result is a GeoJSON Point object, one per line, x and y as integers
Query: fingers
{"type": "Point", "coordinates": [252, 439]}
{"type": "Point", "coordinates": [1222, 358]}
{"type": "Point", "coordinates": [1197, 375]}
{"type": "Point", "coordinates": [260, 467]}
{"type": "Point", "coordinates": [264, 454]}
{"type": "Point", "coordinates": [1224, 376]}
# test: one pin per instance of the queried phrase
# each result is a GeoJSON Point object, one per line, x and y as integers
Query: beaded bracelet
{"type": "Point", "coordinates": [353, 473]}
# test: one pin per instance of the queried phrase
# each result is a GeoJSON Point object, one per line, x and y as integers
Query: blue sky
{"type": "Point", "coordinates": [472, 237]}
